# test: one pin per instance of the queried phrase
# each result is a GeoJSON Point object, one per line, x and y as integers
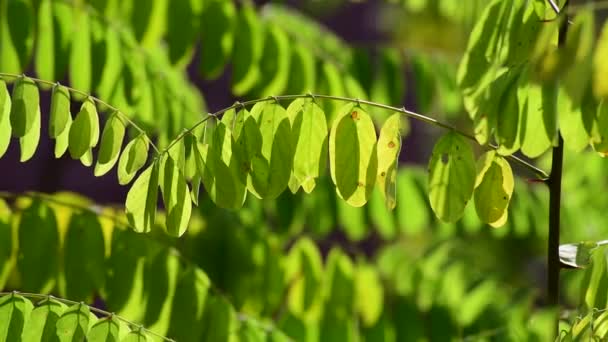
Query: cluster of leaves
{"type": "Point", "coordinates": [509, 73]}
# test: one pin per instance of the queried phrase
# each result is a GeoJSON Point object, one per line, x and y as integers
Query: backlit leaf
{"type": "Point", "coordinates": [14, 315]}
{"type": "Point", "coordinates": [111, 142]}
{"type": "Point", "coordinates": [29, 142]}
{"type": "Point", "coordinates": [310, 134]}
{"type": "Point", "coordinates": [80, 56]}
{"type": "Point", "coordinates": [412, 213]}
{"type": "Point", "coordinates": [132, 159]}
{"type": "Point", "coordinates": [247, 52]}
{"type": "Point", "coordinates": [84, 132]}
{"type": "Point", "coordinates": [45, 56]}
{"type": "Point", "coordinates": [389, 146]}
{"type": "Point", "coordinates": [352, 155]}
{"type": "Point", "coordinates": [5, 118]}
{"type": "Point", "coordinates": [217, 36]}
{"type": "Point", "coordinates": [176, 197]}
{"type": "Point", "coordinates": [60, 111]}
{"type": "Point", "coordinates": [538, 120]}
{"type": "Point", "coordinates": [451, 177]}
{"type": "Point", "coordinates": [160, 281]}
{"type": "Point", "coordinates": [140, 206]}
{"type": "Point", "coordinates": [17, 26]}
{"type": "Point", "coordinates": [493, 188]}
{"type": "Point", "coordinates": [106, 329]}
{"type": "Point", "coordinates": [600, 65]}
{"type": "Point", "coordinates": [42, 323]}
{"type": "Point", "coordinates": [26, 106]}
{"type": "Point", "coordinates": [74, 323]}
{"type": "Point", "coordinates": [189, 305]}
{"type": "Point", "coordinates": [275, 62]}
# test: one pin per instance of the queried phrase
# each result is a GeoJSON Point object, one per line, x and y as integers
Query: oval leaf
{"type": "Point", "coordinates": [5, 118]}
{"type": "Point", "coordinates": [493, 188]}
{"type": "Point", "coordinates": [451, 177]}
{"type": "Point", "coordinates": [140, 206]}
{"type": "Point", "coordinates": [132, 159]}
{"type": "Point", "coordinates": [111, 142]}
{"type": "Point", "coordinates": [176, 197]}
{"type": "Point", "coordinates": [389, 147]}
{"type": "Point", "coordinates": [25, 106]}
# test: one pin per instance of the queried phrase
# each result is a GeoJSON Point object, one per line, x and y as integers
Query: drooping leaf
{"type": "Point", "coordinates": [304, 298]}
{"type": "Point", "coordinates": [302, 75]}
{"type": "Point", "coordinates": [26, 106]}
{"type": "Point", "coordinates": [132, 159]}
{"type": "Point", "coordinates": [571, 125]}
{"type": "Point", "coordinates": [493, 189]}
{"type": "Point", "coordinates": [111, 142]}
{"type": "Point", "coordinates": [84, 132]}
{"type": "Point", "coordinates": [310, 134]}
{"type": "Point", "coordinates": [42, 323]}
{"type": "Point", "coordinates": [45, 56]}
{"type": "Point", "coordinates": [271, 164]}
{"type": "Point", "coordinates": [38, 220]}
{"type": "Point", "coordinates": [60, 111]}
{"type": "Point", "coordinates": [219, 321]}
{"type": "Point", "coordinates": [136, 336]}
{"type": "Point", "coordinates": [62, 36]}
{"type": "Point", "coordinates": [80, 52]}
{"type": "Point", "coordinates": [62, 141]}
{"type": "Point", "coordinates": [140, 206]}
{"type": "Point", "coordinates": [73, 324]}
{"type": "Point", "coordinates": [381, 216]}
{"type": "Point", "coordinates": [113, 65]}
{"type": "Point", "coordinates": [176, 197]}
{"type": "Point", "coordinates": [389, 146]}
{"type": "Point", "coordinates": [14, 315]}
{"type": "Point", "coordinates": [83, 257]}
{"type": "Point", "coordinates": [219, 166]}
{"type": "Point", "coordinates": [451, 177]}
{"type": "Point", "coordinates": [183, 20]}
{"type": "Point", "coordinates": [412, 212]}
{"type": "Point", "coordinates": [352, 220]}
{"type": "Point", "coordinates": [352, 155]}
{"type": "Point", "coordinates": [369, 294]}
{"type": "Point", "coordinates": [5, 118]}
{"type": "Point", "coordinates": [274, 63]}
{"type": "Point", "coordinates": [29, 142]}
{"type": "Point", "coordinates": [17, 26]}
{"type": "Point", "coordinates": [217, 36]}
{"type": "Point", "coordinates": [160, 281]}
{"type": "Point", "coordinates": [340, 291]}
{"type": "Point", "coordinates": [189, 305]}
{"type": "Point", "coordinates": [538, 121]}
{"type": "Point", "coordinates": [247, 52]}
{"type": "Point", "coordinates": [600, 66]}
{"type": "Point", "coordinates": [105, 330]}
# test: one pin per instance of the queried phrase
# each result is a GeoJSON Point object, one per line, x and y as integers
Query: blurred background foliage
{"type": "Point", "coordinates": [308, 265]}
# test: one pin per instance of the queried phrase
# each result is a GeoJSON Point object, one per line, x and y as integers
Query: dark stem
{"type": "Point", "coordinates": [555, 190]}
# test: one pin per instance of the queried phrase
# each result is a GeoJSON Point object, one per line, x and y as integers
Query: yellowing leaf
{"type": "Point", "coordinates": [352, 155]}
{"type": "Point", "coordinates": [451, 177]}
{"type": "Point", "coordinates": [493, 189]}
{"type": "Point", "coordinates": [389, 146]}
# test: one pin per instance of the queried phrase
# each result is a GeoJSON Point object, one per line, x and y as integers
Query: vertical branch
{"type": "Point", "coordinates": [555, 190]}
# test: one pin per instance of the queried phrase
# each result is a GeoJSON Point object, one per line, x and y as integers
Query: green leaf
{"type": "Point", "coordinates": [111, 142]}
{"type": "Point", "coordinates": [45, 57]}
{"type": "Point", "coordinates": [352, 155]}
{"type": "Point", "coordinates": [7, 259]}
{"type": "Point", "coordinates": [84, 257]}
{"type": "Point", "coordinates": [26, 106]}
{"type": "Point", "coordinates": [369, 294]}
{"type": "Point", "coordinates": [248, 49]}
{"type": "Point", "coordinates": [183, 20]}
{"type": "Point", "coordinates": [600, 65]}
{"type": "Point", "coordinates": [136, 336]}
{"type": "Point", "coordinates": [38, 220]}
{"type": "Point", "coordinates": [578, 255]}
{"type": "Point", "coordinates": [60, 111]}
{"type": "Point", "coordinates": [272, 162]}
{"type": "Point", "coordinates": [509, 112]}
{"type": "Point", "coordinates": [189, 305]}
{"type": "Point", "coordinates": [577, 54]}
{"type": "Point", "coordinates": [132, 159]}
{"type": "Point", "coordinates": [84, 132]}
{"type": "Point", "coordinates": [217, 37]}
{"type": "Point", "coordinates": [596, 280]}
{"type": "Point", "coordinates": [140, 206]}
{"type": "Point", "coordinates": [353, 222]}
{"type": "Point", "coordinates": [493, 189]}
{"type": "Point", "coordinates": [160, 281]}
{"type": "Point", "coordinates": [219, 321]}
{"type": "Point", "coordinates": [14, 315]}
{"type": "Point", "coordinates": [176, 197]}
{"type": "Point", "coordinates": [381, 216]}
{"type": "Point", "coordinates": [304, 298]}
{"type": "Point", "coordinates": [62, 37]}
{"type": "Point", "coordinates": [42, 323]}
{"type": "Point", "coordinates": [389, 147]}
{"type": "Point", "coordinates": [5, 118]}
{"type": "Point", "coordinates": [302, 74]}
{"type": "Point", "coordinates": [476, 301]}
{"type": "Point", "coordinates": [571, 125]}
{"type": "Point", "coordinates": [275, 62]}
{"type": "Point", "coordinates": [220, 169]}
{"type": "Point", "coordinates": [340, 287]}
{"type": "Point", "coordinates": [310, 134]}
{"type": "Point", "coordinates": [29, 142]}
{"type": "Point", "coordinates": [74, 323]}
{"type": "Point", "coordinates": [80, 56]}
{"type": "Point", "coordinates": [113, 66]}
{"type": "Point", "coordinates": [63, 140]}
{"type": "Point", "coordinates": [538, 120]}
{"type": "Point", "coordinates": [412, 212]}
{"type": "Point", "coordinates": [17, 22]}
{"type": "Point", "coordinates": [451, 177]}
{"type": "Point", "coordinates": [105, 330]}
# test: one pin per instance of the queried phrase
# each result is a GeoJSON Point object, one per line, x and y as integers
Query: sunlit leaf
{"type": "Point", "coordinates": [106, 329]}
{"type": "Point", "coordinates": [5, 118]}
{"type": "Point", "coordinates": [389, 146]}
{"type": "Point", "coordinates": [60, 111]}
{"type": "Point", "coordinates": [80, 52]}
{"type": "Point", "coordinates": [451, 177]}
{"type": "Point", "coordinates": [42, 323]}
{"type": "Point", "coordinates": [45, 56]}
{"type": "Point", "coordinates": [600, 65]}
{"type": "Point", "coordinates": [26, 106]}
{"type": "Point", "coordinates": [493, 188]}
{"type": "Point", "coordinates": [352, 155]}
{"type": "Point", "coordinates": [132, 159]}
{"type": "Point", "coordinates": [14, 315]}
{"type": "Point", "coordinates": [140, 206]}
{"type": "Point", "coordinates": [189, 305]}
{"type": "Point", "coordinates": [176, 197]}
{"type": "Point", "coordinates": [74, 323]}
{"type": "Point", "coordinates": [274, 63]}
{"type": "Point", "coordinates": [247, 52]}
{"type": "Point", "coordinates": [369, 292]}
{"type": "Point", "coordinates": [84, 132]}
{"type": "Point", "coordinates": [17, 26]}
{"type": "Point", "coordinates": [111, 142]}
{"type": "Point", "coordinates": [217, 36]}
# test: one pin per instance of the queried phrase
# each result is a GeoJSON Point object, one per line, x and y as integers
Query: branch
{"type": "Point", "coordinates": [411, 114]}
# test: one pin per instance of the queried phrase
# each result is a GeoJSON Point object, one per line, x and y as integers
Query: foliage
{"type": "Point", "coordinates": [232, 255]}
